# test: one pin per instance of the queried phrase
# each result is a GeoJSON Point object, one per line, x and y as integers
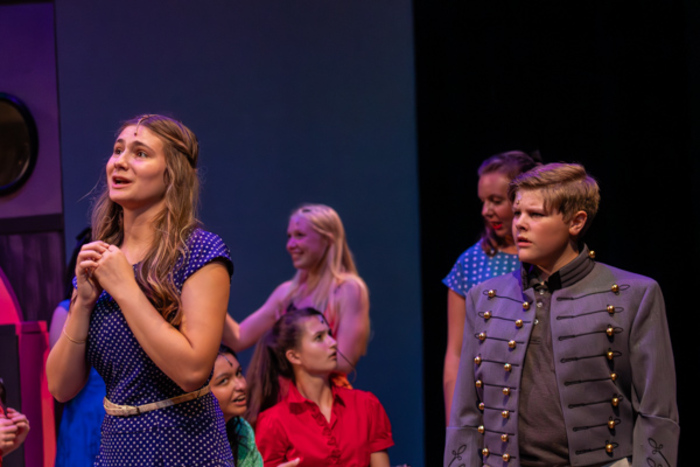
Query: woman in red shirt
{"type": "Point", "coordinates": [318, 422]}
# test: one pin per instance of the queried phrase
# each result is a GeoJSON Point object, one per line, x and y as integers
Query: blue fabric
{"type": "Point", "coordinates": [474, 267]}
{"type": "Point", "coordinates": [192, 433]}
{"type": "Point", "coordinates": [79, 434]}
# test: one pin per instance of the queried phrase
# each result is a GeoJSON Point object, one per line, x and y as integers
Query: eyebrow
{"type": "Point", "coordinates": [223, 373]}
{"type": "Point", "coordinates": [136, 143]}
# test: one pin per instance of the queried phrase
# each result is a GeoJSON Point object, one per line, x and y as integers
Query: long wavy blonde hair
{"type": "Point", "coordinates": [174, 223]}
{"type": "Point", "coordinates": [335, 267]}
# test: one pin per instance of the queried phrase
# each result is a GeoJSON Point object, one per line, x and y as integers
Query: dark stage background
{"type": "Point", "coordinates": [612, 86]}
{"type": "Point", "coordinates": [384, 110]}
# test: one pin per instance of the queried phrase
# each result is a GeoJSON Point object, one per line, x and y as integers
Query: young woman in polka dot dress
{"type": "Point", "coordinates": [148, 307]}
{"type": "Point", "coordinates": [494, 255]}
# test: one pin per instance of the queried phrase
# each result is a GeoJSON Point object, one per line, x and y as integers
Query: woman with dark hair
{"type": "Point", "coordinates": [326, 279]}
{"type": "Point", "coordinates": [148, 308]}
{"type": "Point", "coordinates": [229, 387]}
{"type": "Point", "coordinates": [318, 422]}
{"type": "Point", "coordinates": [493, 255]}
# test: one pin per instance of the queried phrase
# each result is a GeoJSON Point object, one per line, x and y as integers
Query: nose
{"type": "Point", "coordinates": [485, 209]}
{"type": "Point", "coordinates": [332, 343]}
{"type": "Point", "coordinates": [518, 223]}
{"type": "Point", "coordinates": [239, 383]}
{"type": "Point", "coordinates": [291, 243]}
{"type": "Point", "coordinates": [119, 160]}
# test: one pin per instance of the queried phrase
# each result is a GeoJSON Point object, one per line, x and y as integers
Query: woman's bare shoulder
{"type": "Point", "coordinates": [350, 284]}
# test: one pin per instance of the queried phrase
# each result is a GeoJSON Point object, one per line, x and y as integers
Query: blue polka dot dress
{"type": "Point", "coordinates": [474, 267]}
{"type": "Point", "coordinates": [189, 434]}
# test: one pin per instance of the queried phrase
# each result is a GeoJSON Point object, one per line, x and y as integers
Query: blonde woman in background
{"type": "Point", "coordinates": [326, 280]}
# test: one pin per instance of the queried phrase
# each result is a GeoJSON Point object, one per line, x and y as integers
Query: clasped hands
{"type": "Point", "coordinates": [14, 428]}
{"type": "Point", "coordinates": [101, 266]}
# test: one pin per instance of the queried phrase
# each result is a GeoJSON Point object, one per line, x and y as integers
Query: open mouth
{"type": "Point", "coordinates": [240, 399]}
{"type": "Point", "coordinates": [119, 181]}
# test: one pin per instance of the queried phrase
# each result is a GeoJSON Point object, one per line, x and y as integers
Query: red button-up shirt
{"type": "Point", "coordinates": [295, 427]}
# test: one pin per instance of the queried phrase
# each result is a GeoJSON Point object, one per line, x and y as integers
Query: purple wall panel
{"type": "Point", "coordinates": [28, 71]}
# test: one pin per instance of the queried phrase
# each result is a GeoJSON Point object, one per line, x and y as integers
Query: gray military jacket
{"type": "Point", "coordinates": [613, 363]}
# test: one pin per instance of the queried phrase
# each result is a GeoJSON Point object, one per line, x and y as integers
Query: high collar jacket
{"type": "Point", "coordinates": [613, 363]}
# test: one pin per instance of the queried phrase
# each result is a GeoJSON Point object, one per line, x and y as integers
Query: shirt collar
{"type": "Point", "coordinates": [295, 397]}
{"type": "Point", "coordinates": [568, 275]}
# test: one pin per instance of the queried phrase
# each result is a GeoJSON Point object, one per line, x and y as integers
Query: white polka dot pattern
{"type": "Point", "coordinates": [474, 267]}
{"type": "Point", "coordinates": [188, 434]}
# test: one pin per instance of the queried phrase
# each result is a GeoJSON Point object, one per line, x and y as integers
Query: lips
{"type": "Point", "coordinates": [118, 181]}
{"type": "Point", "coordinates": [497, 225]}
{"type": "Point", "coordinates": [240, 400]}
{"type": "Point", "coordinates": [522, 241]}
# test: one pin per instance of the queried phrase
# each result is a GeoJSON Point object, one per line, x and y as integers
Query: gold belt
{"type": "Point", "coordinates": [128, 410]}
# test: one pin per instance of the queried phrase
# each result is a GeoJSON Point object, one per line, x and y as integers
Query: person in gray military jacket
{"type": "Point", "coordinates": [567, 362]}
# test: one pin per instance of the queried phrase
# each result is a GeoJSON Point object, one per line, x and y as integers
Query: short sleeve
{"type": "Point", "coordinates": [474, 267]}
{"type": "Point", "coordinates": [454, 280]}
{"type": "Point", "coordinates": [380, 437]}
{"type": "Point", "coordinates": [271, 439]}
{"type": "Point", "coordinates": [458, 278]}
{"type": "Point", "coordinates": [202, 248]}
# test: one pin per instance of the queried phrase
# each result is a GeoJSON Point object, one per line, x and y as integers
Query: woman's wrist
{"type": "Point", "coordinates": [80, 308]}
{"type": "Point", "coordinates": [125, 291]}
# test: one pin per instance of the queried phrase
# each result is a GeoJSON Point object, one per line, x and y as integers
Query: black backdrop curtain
{"type": "Point", "coordinates": [613, 86]}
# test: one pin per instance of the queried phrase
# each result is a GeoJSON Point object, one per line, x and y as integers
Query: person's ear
{"type": "Point", "coordinates": [293, 357]}
{"type": "Point", "coordinates": [577, 223]}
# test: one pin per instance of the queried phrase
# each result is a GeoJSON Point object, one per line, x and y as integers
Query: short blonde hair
{"type": "Point", "coordinates": [566, 188]}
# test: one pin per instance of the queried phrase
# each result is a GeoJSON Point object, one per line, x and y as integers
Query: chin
{"type": "Point", "coordinates": [234, 414]}
{"type": "Point", "coordinates": [526, 258]}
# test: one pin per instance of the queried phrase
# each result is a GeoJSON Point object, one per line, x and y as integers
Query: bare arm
{"type": "Point", "coordinates": [250, 330]}
{"type": "Point", "coordinates": [353, 323]}
{"type": "Point", "coordinates": [66, 368]}
{"type": "Point", "coordinates": [379, 459]}
{"type": "Point", "coordinates": [455, 329]}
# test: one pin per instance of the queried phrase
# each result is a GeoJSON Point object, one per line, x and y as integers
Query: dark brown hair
{"type": "Point", "coordinates": [269, 361]}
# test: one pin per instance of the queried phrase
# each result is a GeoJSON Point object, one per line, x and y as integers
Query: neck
{"type": "Point", "coordinates": [569, 254]}
{"type": "Point", "coordinates": [316, 388]}
{"type": "Point", "coordinates": [309, 280]}
{"type": "Point", "coordinates": [139, 232]}
{"type": "Point", "coordinates": [508, 246]}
